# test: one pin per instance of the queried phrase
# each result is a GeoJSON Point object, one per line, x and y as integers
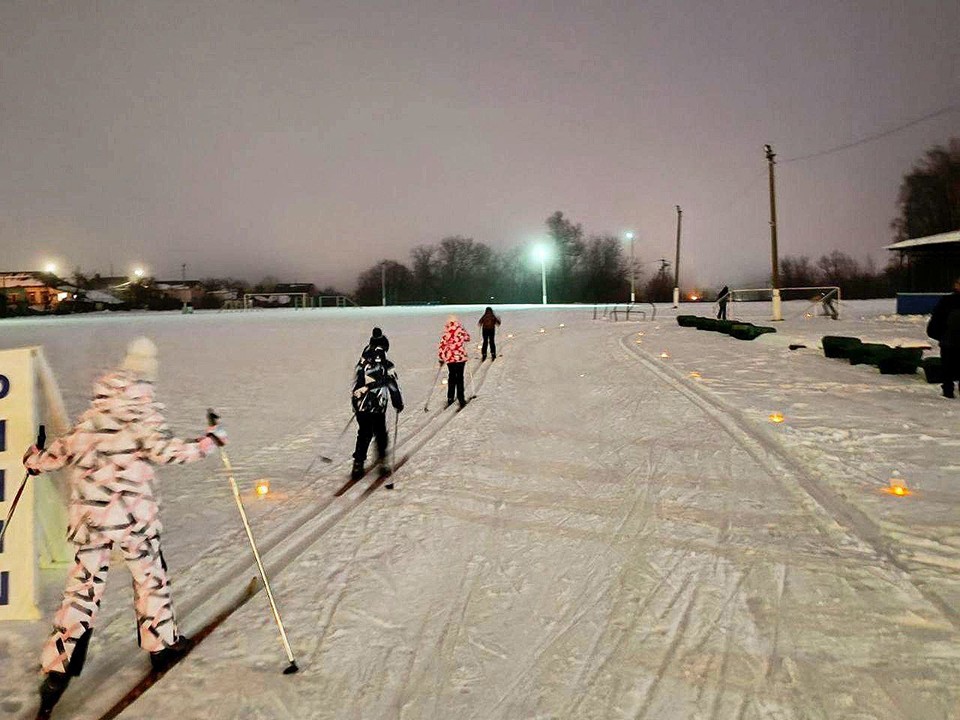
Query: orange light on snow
{"type": "Point", "coordinates": [262, 488]}
{"type": "Point", "coordinates": [898, 488]}
{"type": "Point", "coordinates": [776, 417]}
{"type": "Point", "coordinates": [664, 354]}
{"type": "Point", "coordinates": [695, 375]}
{"type": "Point", "coordinates": [640, 334]}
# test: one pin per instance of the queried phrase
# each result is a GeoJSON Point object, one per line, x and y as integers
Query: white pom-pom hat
{"type": "Point", "coordinates": [141, 359]}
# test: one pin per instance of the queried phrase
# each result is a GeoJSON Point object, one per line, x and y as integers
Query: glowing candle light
{"type": "Point", "coordinates": [898, 488]}
{"type": "Point", "coordinates": [664, 354]}
{"type": "Point", "coordinates": [776, 417]}
{"type": "Point", "coordinates": [695, 375]}
{"type": "Point", "coordinates": [263, 487]}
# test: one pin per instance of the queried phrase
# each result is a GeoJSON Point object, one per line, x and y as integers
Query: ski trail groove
{"type": "Point", "coordinates": [780, 461]}
{"type": "Point", "coordinates": [217, 595]}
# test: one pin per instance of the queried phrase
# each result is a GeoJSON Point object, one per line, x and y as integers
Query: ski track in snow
{"type": "Point", "coordinates": [593, 537]}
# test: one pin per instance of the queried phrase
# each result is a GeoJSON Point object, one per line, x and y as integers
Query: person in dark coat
{"type": "Point", "coordinates": [944, 327]}
{"type": "Point", "coordinates": [488, 327]}
{"type": "Point", "coordinates": [375, 385]}
{"type": "Point", "coordinates": [722, 298]}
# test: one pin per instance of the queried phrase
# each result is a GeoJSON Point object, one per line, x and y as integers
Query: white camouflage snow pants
{"type": "Point", "coordinates": [87, 580]}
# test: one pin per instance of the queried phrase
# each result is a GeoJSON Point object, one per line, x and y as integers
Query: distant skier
{"type": "Point", "coordinates": [944, 327]}
{"type": "Point", "coordinates": [111, 451]}
{"type": "Point", "coordinates": [722, 298]}
{"type": "Point", "coordinates": [375, 384]}
{"type": "Point", "coordinates": [453, 352]}
{"type": "Point", "coordinates": [488, 327]}
{"type": "Point", "coordinates": [826, 301]}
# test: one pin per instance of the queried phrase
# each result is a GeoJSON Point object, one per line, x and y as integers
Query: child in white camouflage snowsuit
{"type": "Point", "coordinates": [110, 452]}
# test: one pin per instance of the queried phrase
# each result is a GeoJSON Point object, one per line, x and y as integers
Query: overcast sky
{"type": "Point", "coordinates": [310, 139]}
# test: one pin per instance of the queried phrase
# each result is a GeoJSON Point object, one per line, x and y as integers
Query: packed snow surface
{"type": "Point", "coordinates": [613, 528]}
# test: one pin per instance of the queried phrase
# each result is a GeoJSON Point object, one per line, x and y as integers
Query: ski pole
{"type": "Point", "coordinates": [212, 418]}
{"type": "Point", "coordinates": [433, 387]}
{"type": "Point", "coordinates": [325, 458]}
{"type": "Point", "coordinates": [393, 452]}
{"type": "Point", "coordinates": [41, 441]}
{"type": "Point", "coordinates": [473, 387]}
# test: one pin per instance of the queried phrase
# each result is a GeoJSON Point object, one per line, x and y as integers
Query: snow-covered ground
{"type": "Point", "coordinates": [602, 533]}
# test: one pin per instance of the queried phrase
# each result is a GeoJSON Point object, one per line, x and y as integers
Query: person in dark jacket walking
{"type": "Point", "coordinates": [375, 385]}
{"type": "Point", "coordinates": [488, 327]}
{"type": "Point", "coordinates": [944, 327]}
{"type": "Point", "coordinates": [722, 298]}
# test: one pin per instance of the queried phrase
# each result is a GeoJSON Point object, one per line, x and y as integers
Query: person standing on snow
{"type": "Point", "coordinates": [111, 451]}
{"type": "Point", "coordinates": [452, 351]}
{"type": "Point", "coordinates": [944, 327]}
{"type": "Point", "coordinates": [722, 298]}
{"type": "Point", "coordinates": [375, 384]}
{"type": "Point", "coordinates": [488, 327]}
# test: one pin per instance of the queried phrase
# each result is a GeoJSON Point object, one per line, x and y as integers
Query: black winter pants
{"type": "Point", "coordinates": [722, 311]}
{"type": "Point", "coordinates": [950, 367]}
{"type": "Point", "coordinates": [455, 382]}
{"type": "Point", "coordinates": [370, 425]}
{"type": "Point", "coordinates": [489, 338]}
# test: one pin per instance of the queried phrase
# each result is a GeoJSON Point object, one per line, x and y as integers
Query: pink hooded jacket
{"type": "Point", "coordinates": [452, 342]}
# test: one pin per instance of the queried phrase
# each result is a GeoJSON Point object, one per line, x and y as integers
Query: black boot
{"type": "Point", "coordinates": [163, 659]}
{"type": "Point", "coordinates": [947, 390]}
{"type": "Point", "coordinates": [51, 689]}
{"type": "Point", "coordinates": [357, 471]}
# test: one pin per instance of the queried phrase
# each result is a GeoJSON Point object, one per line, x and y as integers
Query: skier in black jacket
{"type": "Point", "coordinates": [375, 385]}
{"type": "Point", "coordinates": [944, 327]}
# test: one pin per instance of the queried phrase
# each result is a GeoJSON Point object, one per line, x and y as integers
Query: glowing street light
{"type": "Point", "coordinates": [138, 272]}
{"type": "Point", "coordinates": [50, 268]}
{"type": "Point", "coordinates": [541, 253]}
{"type": "Point", "coordinates": [633, 295]}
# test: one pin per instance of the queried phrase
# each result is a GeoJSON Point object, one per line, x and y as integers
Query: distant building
{"type": "Point", "coordinates": [296, 288]}
{"type": "Point", "coordinates": [186, 291]}
{"type": "Point", "coordinates": [931, 264]}
{"type": "Point", "coordinates": [36, 289]}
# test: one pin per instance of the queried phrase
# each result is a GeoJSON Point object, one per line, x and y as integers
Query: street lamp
{"type": "Point", "coordinates": [50, 268]}
{"type": "Point", "coordinates": [633, 293]}
{"type": "Point", "coordinates": [541, 252]}
{"type": "Point", "coordinates": [138, 272]}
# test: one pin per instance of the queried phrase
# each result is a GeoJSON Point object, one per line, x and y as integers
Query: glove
{"type": "Point", "coordinates": [217, 434]}
{"type": "Point", "coordinates": [31, 452]}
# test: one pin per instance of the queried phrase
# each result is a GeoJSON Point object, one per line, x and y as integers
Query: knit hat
{"type": "Point", "coordinates": [141, 359]}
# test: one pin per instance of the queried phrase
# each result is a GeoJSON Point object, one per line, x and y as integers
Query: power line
{"type": "Point", "coordinates": [870, 138]}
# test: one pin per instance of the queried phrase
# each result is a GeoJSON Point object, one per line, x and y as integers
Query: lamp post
{"type": "Point", "coordinates": [540, 252]}
{"type": "Point", "coordinates": [383, 283]}
{"type": "Point", "coordinates": [633, 290]}
{"type": "Point", "coordinates": [676, 266]}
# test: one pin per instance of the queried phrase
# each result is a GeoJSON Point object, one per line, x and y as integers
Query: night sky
{"type": "Point", "coordinates": [308, 140]}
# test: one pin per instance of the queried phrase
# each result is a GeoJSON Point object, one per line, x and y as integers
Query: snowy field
{"type": "Point", "coordinates": [603, 533]}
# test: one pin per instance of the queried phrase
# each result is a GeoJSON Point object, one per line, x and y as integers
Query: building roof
{"type": "Point", "coordinates": [26, 279]}
{"type": "Point", "coordinates": [941, 239]}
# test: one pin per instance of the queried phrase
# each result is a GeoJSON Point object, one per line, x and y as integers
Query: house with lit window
{"type": "Point", "coordinates": [34, 290]}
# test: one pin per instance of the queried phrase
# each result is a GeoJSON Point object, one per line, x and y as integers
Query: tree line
{"type": "Point", "coordinates": [579, 268]}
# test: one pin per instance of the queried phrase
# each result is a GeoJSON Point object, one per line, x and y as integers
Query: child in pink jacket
{"type": "Point", "coordinates": [453, 352]}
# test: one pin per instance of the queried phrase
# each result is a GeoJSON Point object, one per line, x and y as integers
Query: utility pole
{"type": "Point", "coordinates": [676, 266]}
{"type": "Point", "coordinates": [383, 282]}
{"type": "Point", "coordinates": [777, 311]}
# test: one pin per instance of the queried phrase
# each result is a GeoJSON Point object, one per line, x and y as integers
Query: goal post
{"type": "Point", "coordinates": [822, 300]}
